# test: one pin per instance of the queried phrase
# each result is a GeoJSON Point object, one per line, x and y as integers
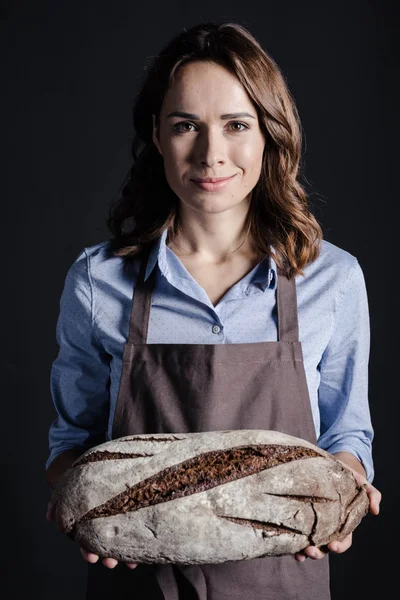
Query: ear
{"type": "Point", "coordinates": [155, 135]}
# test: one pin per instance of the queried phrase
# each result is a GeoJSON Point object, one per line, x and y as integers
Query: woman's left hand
{"type": "Point", "coordinates": [339, 546]}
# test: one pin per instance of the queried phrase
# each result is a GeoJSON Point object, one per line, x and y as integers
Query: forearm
{"type": "Point", "coordinates": [350, 460]}
{"type": "Point", "coordinates": [61, 463]}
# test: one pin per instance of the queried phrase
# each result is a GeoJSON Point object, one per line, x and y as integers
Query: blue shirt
{"type": "Point", "coordinates": [93, 325]}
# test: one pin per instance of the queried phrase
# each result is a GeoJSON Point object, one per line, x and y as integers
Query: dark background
{"type": "Point", "coordinates": [69, 73]}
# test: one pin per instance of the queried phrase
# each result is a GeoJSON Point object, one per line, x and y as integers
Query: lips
{"type": "Point", "coordinates": [210, 179]}
{"type": "Point", "coordinates": [212, 184]}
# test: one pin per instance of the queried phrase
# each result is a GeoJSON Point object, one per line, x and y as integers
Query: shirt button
{"type": "Point", "coordinates": [216, 329]}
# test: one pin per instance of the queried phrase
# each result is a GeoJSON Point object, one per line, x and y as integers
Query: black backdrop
{"type": "Point", "coordinates": [69, 72]}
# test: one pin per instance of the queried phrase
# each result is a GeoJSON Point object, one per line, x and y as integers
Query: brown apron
{"type": "Point", "coordinates": [181, 388]}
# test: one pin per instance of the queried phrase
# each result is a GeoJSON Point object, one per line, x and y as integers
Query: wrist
{"type": "Point", "coordinates": [60, 464]}
{"type": "Point", "coordinates": [351, 461]}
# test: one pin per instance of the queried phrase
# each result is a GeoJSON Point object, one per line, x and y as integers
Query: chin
{"type": "Point", "coordinates": [212, 204]}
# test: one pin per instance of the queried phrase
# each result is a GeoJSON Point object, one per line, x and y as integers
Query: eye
{"type": "Point", "coordinates": [238, 126]}
{"type": "Point", "coordinates": [183, 127]}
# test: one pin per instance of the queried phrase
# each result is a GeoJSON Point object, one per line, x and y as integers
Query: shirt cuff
{"type": "Point", "coordinates": [360, 453]}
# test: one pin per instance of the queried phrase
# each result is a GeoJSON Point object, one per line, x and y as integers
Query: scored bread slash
{"type": "Point", "coordinates": [198, 474]}
{"type": "Point", "coordinates": [207, 497]}
{"type": "Point", "coordinates": [115, 448]}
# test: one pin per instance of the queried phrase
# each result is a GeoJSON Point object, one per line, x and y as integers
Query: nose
{"type": "Point", "coordinates": [210, 148]}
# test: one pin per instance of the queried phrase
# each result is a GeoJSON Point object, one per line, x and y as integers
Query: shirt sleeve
{"type": "Point", "coordinates": [343, 391]}
{"type": "Point", "coordinates": [80, 374]}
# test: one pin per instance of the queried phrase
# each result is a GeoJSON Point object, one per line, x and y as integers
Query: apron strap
{"type": "Point", "coordinates": [288, 325]}
{"type": "Point", "coordinates": [141, 303]}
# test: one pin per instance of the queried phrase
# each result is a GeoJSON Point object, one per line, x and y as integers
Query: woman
{"type": "Point", "coordinates": [214, 246]}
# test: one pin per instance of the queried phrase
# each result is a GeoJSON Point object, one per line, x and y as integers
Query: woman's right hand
{"type": "Point", "coordinates": [90, 557]}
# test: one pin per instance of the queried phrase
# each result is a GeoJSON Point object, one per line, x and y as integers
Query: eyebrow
{"type": "Point", "coordinates": [227, 116]}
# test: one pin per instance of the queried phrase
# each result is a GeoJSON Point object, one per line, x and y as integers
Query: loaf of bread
{"type": "Point", "coordinates": [206, 497]}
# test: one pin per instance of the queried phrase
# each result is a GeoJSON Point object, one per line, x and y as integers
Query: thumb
{"type": "Point", "coordinates": [50, 512]}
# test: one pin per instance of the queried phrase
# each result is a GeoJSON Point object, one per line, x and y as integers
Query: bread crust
{"type": "Point", "coordinates": [207, 497]}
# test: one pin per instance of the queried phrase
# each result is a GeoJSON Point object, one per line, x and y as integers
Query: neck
{"type": "Point", "coordinates": [213, 238]}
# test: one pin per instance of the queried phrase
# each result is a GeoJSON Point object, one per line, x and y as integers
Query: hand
{"type": "Point", "coordinates": [110, 563]}
{"type": "Point", "coordinates": [339, 546]}
{"type": "Point", "coordinates": [90, 557]}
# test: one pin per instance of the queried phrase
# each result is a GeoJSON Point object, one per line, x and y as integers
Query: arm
{"type": "Point", "coordinates": [343, 391]}
{"type": "Point", "coordinates": [79, 375]}
{"type": "Point", "coordinates": [79, 384]}
{"type": "Point", "coordinates": [346, 430]}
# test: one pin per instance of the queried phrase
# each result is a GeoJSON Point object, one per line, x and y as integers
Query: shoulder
{"type": "Point", "coordinates": [333, 275]}
{"type": "Point", "coordinates": [99, 254]}
{"type": "Point", "coordinates": [100, 278]}
{"type": "Point", "coordinates": [98, 274]}
{"type": "Point", "coordinates": [332, 263]}
{"type": "Point", "coordinates": [99, 262]}
{"type": "Point", "coordinates": [332, 255]}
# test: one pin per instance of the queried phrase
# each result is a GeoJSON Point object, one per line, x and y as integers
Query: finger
{"type": "Point", "coordinates": [314, 552]}
{"type": "Point", "coordinates": [375, 498]}
{"type": "Point", "coordinates": [89, 556]}
{"type": "Point", "coordinates": [374, 494]}
{"type": "Point", "coordinates": [131, 565]}
{"type": "Point", "coordinates": [342, 546]}
{"type": "Point", "coordinates": [300, 557]}
{"type": "Point", "coordinates": [110, 563]}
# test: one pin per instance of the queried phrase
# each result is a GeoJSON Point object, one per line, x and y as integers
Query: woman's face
{"type": "Point", "coordinates": [209, 129]}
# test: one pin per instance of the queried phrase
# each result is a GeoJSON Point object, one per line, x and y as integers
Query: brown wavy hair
{"type": "Point", "coordinates": [279, 218]}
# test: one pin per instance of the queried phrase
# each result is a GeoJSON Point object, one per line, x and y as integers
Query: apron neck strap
{"type": "Point", "coordinates": [288, 326]}
{"type": "Point", "coordinates": [141, 303]}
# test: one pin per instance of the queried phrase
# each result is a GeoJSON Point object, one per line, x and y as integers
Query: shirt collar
{"type": "Point", "coordinates": [264, 276]}
{"type": "Point", "coordinates": [157, 250]}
